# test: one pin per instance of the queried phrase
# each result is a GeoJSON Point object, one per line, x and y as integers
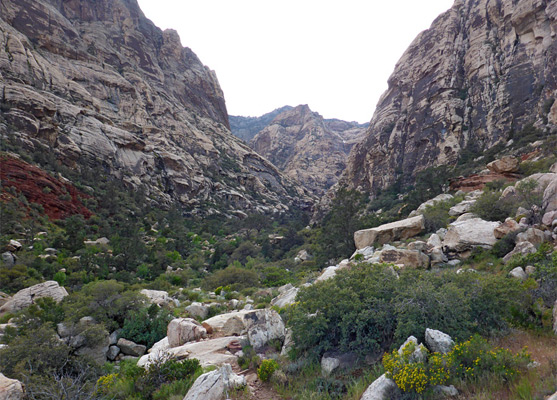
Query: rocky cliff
{"type": "Point", "coordinates": [483, 70]}
{"type": "Point", "coordinates": [307, 147]}
{"type": "Point", "coordinates": [247, 127]}
{"type": "Point", "coordinates": [96, 82]}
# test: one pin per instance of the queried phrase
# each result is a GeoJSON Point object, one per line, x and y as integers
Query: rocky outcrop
{"type": "Point", "coordinates": [213, 385]}
{"type": "Point", "coordinates": [307, 147]}
{"type": "Point", "coordinates": [25, 297]}
{"type": "Point", "coordinates": [382, 388]}
{"type": "Point", "coordinates": [464, 235]}
{"type": "Point", "coordinates": [387, 233]}
{"type": "Point", "coordinates": [438, 341]}
{"type": "Point", "coordinates": [97, 83]}
{"type": "Point", "coordinates": [10, 389]}
{"type": "Point", "coordinates": [246, 128]}
{"type": "Point", "coordinates": [483, 70]}
{"type": "Point", "coordinates": [184, 330]}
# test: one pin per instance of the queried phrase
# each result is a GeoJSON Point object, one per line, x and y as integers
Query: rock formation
{"type": "Point", "coordinates": [483, 70]}
{"type": "Point", "coordinates": [97, 83]}
{"type": "Point", "coordinates": [307, 147]}
{"type": "Point", "coordinates": [246, 128]}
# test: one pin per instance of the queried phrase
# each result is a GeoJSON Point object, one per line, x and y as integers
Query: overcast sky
{"type": "Point", "coordinates": [335, 56]}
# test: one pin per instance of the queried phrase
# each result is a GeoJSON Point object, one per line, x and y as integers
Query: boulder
{"type": "Point", "coordinates": [417, 245]}
{"type": "Point", "coordinates": [518, 273]}
{"type": "Point", "coordinates": [521, 248]}
{"type": "Point", "coordinates": [382, 388]}
{"type": "Point", "coordinates": [549, 202]}
{"type": "Point", "coordinates": [213, 385]}
{"type": "Point", "coordinates": [333, 360]}
{"type": "Point", "coordinates": [445, 391]}
{"type": "Point", "coordinates": [130, 348]}
{"type": "Point", "coordinates": [158, 297]}
{"type": "Point", "coordinates": [461, 208]}
{"type": "Point", "coordinates": [532, 235]}
{"type": "Point", "coordinates": [98, 242]}
{"type": "Point", "coordinates": [434, 241]}
{"type": "Point", "coordinates": [436, 256]}
{"type": "Point", "coordinates": [288, 343]}
{"type": "Point", "coordinates": [302, 256]}
{"type": "Point", "coordinates": [549, 218]}
{"type": "Point", "coordinates": [509, 226]}
{"type": "Point", "coordinates": [409, 258]}
{"type": "Point", "coordinates": [184, 330]}
{"type": "Point", "coordinates": [504, 165]}
{"type": "Point", "coordinates": [197, 309]}
{"type": "Point", "coordinates": [97, 351]}
{"type": "Point", "coordinates": [555, 317]}
{"type": "Point", "coordinates": [10, 389]}
{"type": "Point", "coordinates": [420, 210]}
{"type": "Point", "coordinates": [25, 297]}
{"type": "Point", "coordinates": [9, 259]}
{"type": "Point", "coordinates": [366, 252]}
{"type": "Point", "coordinates": [464, 235]}
{"type": "Point", "coordinates": [553, 396]}
{"type": "Point", "coordinates": [286, 298]}
{"type": "Point", "coordinates": [438, 341]}
{"type": "Point", "coordinates": [264, 327]}
{"type": "Point", "coordinates": [419, 354]}
{"type": "Point", "coordinates": [387, 233]}
{"type": "Point", "coordinates": [328, 273]}
{"type": "Point", "coordinates": [530, 269]}
{"type": "Point", "coordinates": [466, 217]}
{"type": "Point", "coordinates": [13, 246]}
{"type": "Point", "coordinates": [112, 352]}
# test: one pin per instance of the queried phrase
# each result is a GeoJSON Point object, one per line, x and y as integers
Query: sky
{"type": "Point", "coordinates": [335, 56]}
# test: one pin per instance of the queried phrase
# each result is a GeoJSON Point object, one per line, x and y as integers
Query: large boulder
{"type": "Point", "coordinates": [387, 233]}
{"type": "Point", "coordinates": [197, 309]}
{"type": "Point", "coordinates": [260, 325]}
{"type": "Point", "coordinates": [10, 389]}
{"type": "Point", "coordinates": [382, 388]}
{"type": "Point", "coordinates": [464, 235]}
{"type": "Point", "coordinates": [438, 341]}
{"type": "Point", "coordinates": [213, 385]}
{"type": "Point", "coordinates": [509, 226]}
{"type": "Point", "coordinates": [25, 297]}
{"type": "Point", "coordinates": [549, 202]}
{"type": "Point", "coordinates": [408, 258]}
{"type": "Point", "coordinates": [504, 165]}
{"type": "Point", "coordinates": [183, 330]}
{"type": "Point", "coordinates": [158, 297]}
{"type": "Point", "coordinates": [461, 208]}
{"type": "Point", "coordinates": [130, 348]}
{"type": "Point", "coordinates": [522, 248]}
{"type": "Point", "coordinates": [8, 259]}
{"type": "Point", "coordinates": [532, 235]}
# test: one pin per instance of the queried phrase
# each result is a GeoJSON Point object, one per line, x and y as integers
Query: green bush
{"type": "Point", "coordinates": [437, 216]}
{"type": "Point", "coordinates": [237, 278]}
{"type": "Point", "coordinates": [147, 325]}
{"type": "Point", "coordinates": [266, 369]}
{"type": "Point", "coordinates": [471, 361]}
{"type": "Point", "coordinates": [490, 207]}
{"type": "Point", "coordinates": [366, 308]}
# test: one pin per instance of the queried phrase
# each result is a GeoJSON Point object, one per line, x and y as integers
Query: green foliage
{"type": "Point", "coordinates": [237, 278]}
{"type": "Point", "coordinates": [372, 308]}
{"type": "Point", "coordinates": [249, 359]}
{"type": "Point", "coordinates": [147, 325]}
{"type": "Point", "coordinates": [437, 215]}
{"type": "Point", "coordinates": [106, 301]}
{"type": "Point", "coordinates": [161, 379]}
{"type": "Point", "coordinates": [471, 360]}
{"type": "Point", "coordinates": [266, 369]}
{"type": "Point", "coordinates": [490, 207]}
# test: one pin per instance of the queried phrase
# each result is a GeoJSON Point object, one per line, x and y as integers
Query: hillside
{"type": "Point", "coordinates": [99, 84]}
{"type": "Point", "coordinates": [246, 128]}
{"type": "Point", "coordinates": [308, 148]}
{"type": "Point", "coordinates": [482, 72]}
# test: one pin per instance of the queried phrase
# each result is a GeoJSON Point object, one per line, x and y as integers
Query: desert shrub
{"type": "Point", "coordinates": [106, 301]}
{"type": "Point", "coordinates": [505, 245]}
{"type": "Point", "coordinates": [437, 215]}
{"type": "Point", "coordinates": [162, 378]}
{"type": "Point", "coordinates": [249, 359]}
{"type": "Point", "coordinates": [266, 369]}
{"type": "Point", "coordinates": [147, 325]}
{"type": "Point", "coordinates": [237, 278]}
{"type": "Point", "coordinates": [372, 308]}
{"type": "Point", "coordinates": [472, 360]}
{"type": "Point", "coordinates": [490, 207]}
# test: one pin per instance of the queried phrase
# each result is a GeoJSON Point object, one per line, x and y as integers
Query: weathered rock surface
{"type": "Point", "coordinates": [521, 248]}
{"type": "Point", "coordinates": [184, 330]}
{"type": "Point", "coordinates": [197, 309]}
{"type": "Point", "coordinates": [130, 348]}
{"type": "Point", "coordinates": [507, 164]}
{"type": "Point", "coordinates": [158, 297]}
{"type": "Point", "coordinates": [286, 298]}
{"type": "Point", "coordinates": [483, 67]}
{"type": "Point", "coordinates": [438, 341]}
{"type": "Point", "coordinates": [213, 385]}
{"type": "Point", "coordinates": [408, 258]}
{"type": "Point", "coordinates": [509, 226]}
{"type": "Point", "coordinates": [264, 327]}
{"type": "Point", "coordinates": [382, 388]}
{"type": "Point", "coordinates": [97, 82]}
{"type": "Point", "coordinates": [10, 389]}
{"type": "Point", "coordinates": [307, 147]}
{"type": "Point", "coordinates": [387, 233]}
{"type": "Point", "coordinates": [518, 273]}
{"type": "Point", "coordinates": [246, 128]}
{"type": "Point", "coordinates": [464, 235]}
{"type": "Point", "coordinates": [26, 297]}
{"type": "Point", "coordinates": [437, 199]}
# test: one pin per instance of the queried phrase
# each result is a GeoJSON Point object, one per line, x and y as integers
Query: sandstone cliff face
{"type": "Point", "coordinates": [97, 82]}
{"type": "Point", "coordinates": [484, 69]}
{"type": "Point", "coordinates": [247, 127]}
{"type": "Point", "coordinates": [307, 147]}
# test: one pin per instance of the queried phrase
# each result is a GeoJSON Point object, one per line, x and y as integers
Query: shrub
{"type": "Point", "coordinates": [490, 207]}
{"type": "Point", "coordinates": [266, 369]}
{"type": "Point", "coordinates": [237, 278]}
{"type": "Point", "coordinates": [146, 326]}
